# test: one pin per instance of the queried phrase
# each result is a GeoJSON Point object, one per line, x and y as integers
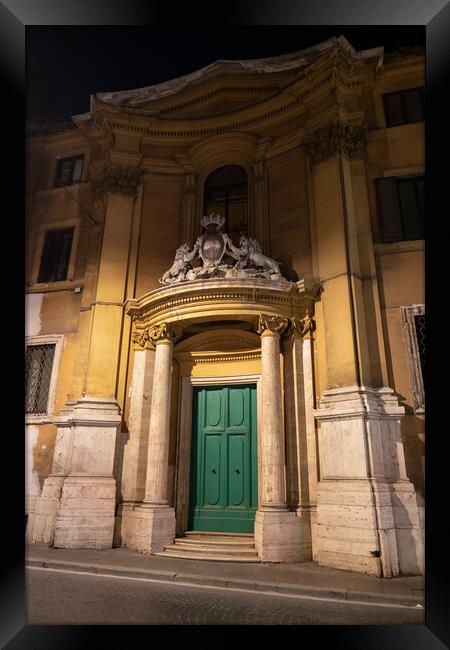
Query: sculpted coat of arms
{"type": "Point", "coordinates": [207, 259]}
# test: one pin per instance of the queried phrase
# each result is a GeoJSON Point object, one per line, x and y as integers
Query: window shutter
{"type": "Point", "coordinates": [393, 109]}
{"type": "Point", "coordinates": [56, 255]}
{"type": "Point", "coordinates": [388, 212]}
{"type": "Point", "coordinates": [78, 166]}
{"type": "Point", "coordinates": [410, 206]}
{"type": "Point", "coordinates": [414, 105]}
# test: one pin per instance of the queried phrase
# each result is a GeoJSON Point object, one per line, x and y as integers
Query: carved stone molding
{"type": "Point", "coordinates": [119, 180]}
{"type": "Point", "coordinates": [272, 324]}
{"type": "Point", "coordinates": [337, 138]}
{"type": "Point", "coordinates": [164, 332]}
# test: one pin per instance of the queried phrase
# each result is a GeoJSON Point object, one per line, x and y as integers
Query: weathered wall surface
{"type": "Point", "coordinates": [160, 224]}
{"type": "Point", "coordinates": [288, 216]}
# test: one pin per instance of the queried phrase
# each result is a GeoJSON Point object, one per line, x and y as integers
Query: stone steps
{"type": "Point", "coordinates": [219, 547]}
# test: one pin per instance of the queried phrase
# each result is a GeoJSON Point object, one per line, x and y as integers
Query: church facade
{"type": "Point", "coordinates": [225, 313]}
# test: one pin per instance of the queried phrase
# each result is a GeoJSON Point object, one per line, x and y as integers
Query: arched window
{"type": "Point", "coordinates": [226, 193]}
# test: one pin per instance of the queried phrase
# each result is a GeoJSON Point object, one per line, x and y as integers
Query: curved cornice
{"type": "Point", "coordinates": [218, 300]}
{"type": "Point", "coordinates": [144, 114]}
{"type": "Point", "coordinates": [269, 65]}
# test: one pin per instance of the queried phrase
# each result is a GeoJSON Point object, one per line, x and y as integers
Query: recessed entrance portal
{"type": "Point", "coordinates": [224, 481]}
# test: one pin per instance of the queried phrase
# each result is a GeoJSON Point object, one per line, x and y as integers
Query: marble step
{"type": "Point", "coordinates": [207, 533]}
{"type": "Point", "coordinates": [223, 547]}
{"type": "Point", "coordinates": [174, 551]}
{"type": "Point", "coordinates": [213, 549]}
{"type": "Point", "coordinates": [230, 542]}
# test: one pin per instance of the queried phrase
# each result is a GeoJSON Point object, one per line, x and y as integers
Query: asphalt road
{"type": "Point", "coordinates": [55, 598]}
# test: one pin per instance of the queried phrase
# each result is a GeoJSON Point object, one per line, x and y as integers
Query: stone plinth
{"type": "Point", "coordinates": [85, 518]}
{"type": "Point", "coordinates": [278, 537]}
{"type": "Point", "coordinates": [149, 529]}
{"type": "Point", "coordinates": [367, 514]}
{"type": "Point", "coordinates": [86, 513]}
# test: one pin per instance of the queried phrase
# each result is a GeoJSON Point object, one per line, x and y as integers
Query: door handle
{"type": "Point", "coordinates": [213, 470]}
{"type": "Point", "coordinates": [237, 471]}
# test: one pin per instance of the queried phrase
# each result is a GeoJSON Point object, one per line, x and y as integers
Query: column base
{"type": "Point", "coordinates": [278, 537]}
{"type": "Point", "coordinates": [148, 529]}
{"type": "Point", "coordinates": [86, 513]}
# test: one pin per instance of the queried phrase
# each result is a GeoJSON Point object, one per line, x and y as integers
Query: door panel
{"type": "Point", "coordinates": [212, 470]}
{"type": "Point", "coordinates": [236, 407]}
{"type": "Point", "coordinates": [213, 408]}
{"type": "Point", "coordinates": [236, 470]}
{"type": "Point", "coordinates": [223, 470]}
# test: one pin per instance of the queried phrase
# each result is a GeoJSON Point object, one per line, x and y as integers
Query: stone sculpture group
{"type": "Point", "coordinates": [211, 247]}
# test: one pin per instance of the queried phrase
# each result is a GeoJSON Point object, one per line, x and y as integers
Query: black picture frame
{"type": "Point", "coordinates": [15, 17]}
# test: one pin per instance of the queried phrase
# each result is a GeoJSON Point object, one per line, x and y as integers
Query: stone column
{"type": "Point", "coordinates": [154, 521]}
{"type": "Point", "coordinates": [277, 534]}
{"type": "Point", "coordinates": [367, 518]}
{"type": "Point", "coordinates": [136, 448]}
{"type": "Point", "coordinates": [300, 430]}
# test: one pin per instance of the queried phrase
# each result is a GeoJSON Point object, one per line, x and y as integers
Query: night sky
{"type": "Point", "coordinates": [65, 65]}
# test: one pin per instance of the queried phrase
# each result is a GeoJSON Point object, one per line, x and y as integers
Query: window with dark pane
{"type": "Point", "coordinates": [226, 193]}
{"type": "Point", "coordinates": [404, 107]}
{"type": "Point", "coordinates": [38, 372]}
{"type": "Point", "coordinates": [56, 255]}
{"type": "Point", "coordinates": [401, 206]}
{"type": "Point", "coordinates": [419, 322]}
{"type": "Point", "coordinates": [68, 170]}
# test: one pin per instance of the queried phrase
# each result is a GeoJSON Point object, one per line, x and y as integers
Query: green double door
{"type": "Point", "coordinates": [224, 481]}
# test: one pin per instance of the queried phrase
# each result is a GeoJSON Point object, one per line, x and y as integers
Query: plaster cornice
{"type": "Point", "coordinates": [316, 70]}
{"type": "Point", "coordinates": [241, 68]}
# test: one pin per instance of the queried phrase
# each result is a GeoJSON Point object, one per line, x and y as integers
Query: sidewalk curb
{"type": "Point", "coordinates": [236, 583]}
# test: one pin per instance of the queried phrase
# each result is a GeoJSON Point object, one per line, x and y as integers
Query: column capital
{"type": "Point", "coordinates": [301, 327]}
{"type": "Point", "coordinates": [119, 180]}
{"type": "Point", "coordinates": [163, 333]}
{"type": "Point", "coordinates": [337, 138]}
{"type": "Point", "coordinates": [272, 325]}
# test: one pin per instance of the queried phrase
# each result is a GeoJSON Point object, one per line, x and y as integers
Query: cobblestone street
{"type": "Point", "coordinates": [56, 598]}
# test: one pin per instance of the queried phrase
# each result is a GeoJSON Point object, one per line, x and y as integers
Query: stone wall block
{"type": "Point", "coordinates": [349, 562]}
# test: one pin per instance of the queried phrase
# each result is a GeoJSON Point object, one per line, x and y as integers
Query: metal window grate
{"type": "Point", "coordinates": [419, 322]}
{"type": "Point", "coordinates": [38, 372]}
